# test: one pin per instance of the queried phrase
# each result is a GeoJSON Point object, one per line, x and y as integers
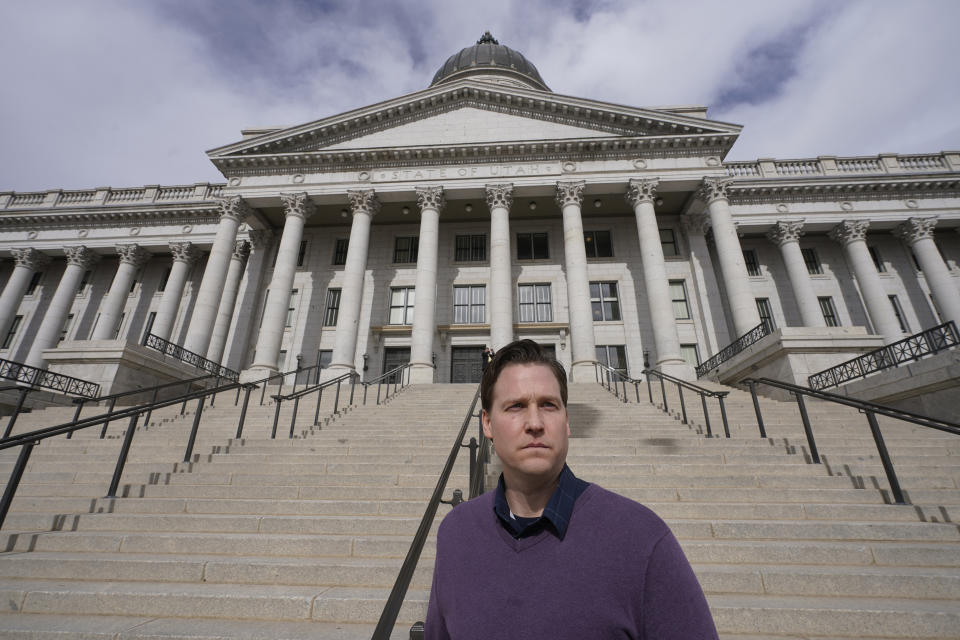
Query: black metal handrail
{"type": "Point", "coordinates": [703, 392]}
{"type": "Point", "coordinates": [927, 342]}
{"type": "Point", "coordinates": [188, 357]}
{"type": "Point", "coordinates": [870, 409]}
{"type": "Point", "coordinates": [388, 617]}
{"type": "Point", "coordinates": [611, 379]}
{"type": "Point", "coordinates": [47, 379]}
{"type": "Point", "coordinates": [318, 389]}
{"type": "Point", "coordinates": [765, 328]}
{"type": "Point", "coordinates": [394, 378]}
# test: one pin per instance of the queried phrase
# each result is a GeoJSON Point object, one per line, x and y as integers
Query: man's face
{"type": "Point", "coordinates": [528, 422]}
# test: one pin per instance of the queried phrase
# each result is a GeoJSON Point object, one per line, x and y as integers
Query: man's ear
{"type": "Point", "coordinates": [485, 421]}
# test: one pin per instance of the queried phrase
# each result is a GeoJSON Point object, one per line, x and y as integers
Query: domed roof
{"type": "Point", "coordinates": [489, 57]}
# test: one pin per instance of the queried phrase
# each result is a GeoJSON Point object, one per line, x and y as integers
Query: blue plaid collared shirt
{"type": "Point", "coordinates": [557, 513]}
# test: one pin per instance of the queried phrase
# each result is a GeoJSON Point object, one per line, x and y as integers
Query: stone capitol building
{"type": "Point", "coordinates": [482, 209]}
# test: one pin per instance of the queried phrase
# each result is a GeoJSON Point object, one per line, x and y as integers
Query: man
{"type": "Point", "coordinates": [548, 555]}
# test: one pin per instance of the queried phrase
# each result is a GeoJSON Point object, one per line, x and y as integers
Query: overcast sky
{"type": "Point", "coordinates": [127, 93]}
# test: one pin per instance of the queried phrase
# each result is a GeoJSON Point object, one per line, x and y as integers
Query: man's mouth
{"type": "Point", "coordinates": [536, 445]}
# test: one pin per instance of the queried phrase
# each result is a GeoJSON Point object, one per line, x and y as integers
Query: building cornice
{"type": "Point", "coordinates": [830, 189]}
{"type": "Point", "coordinates": [107, 218]}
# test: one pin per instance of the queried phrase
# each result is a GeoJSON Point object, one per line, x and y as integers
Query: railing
{"type": "Point", "coordinates": [397, 378]}
{"type": "Point", "coordinates": [189, 357]}
{"type": "Point", "coordinates": [765, 328]}
{"type": "Point", "coordinates": [318, 389]}
{"type": "Point", "coordinates": [110, 196]}
{"type": "Point", "coordinates": [829, 165]}
{"type": "Point", "coordinates": [391, 609]}
{"type": "Point", "coordinates": [681, 385]}
{"type": "Point", "coordinates": [921, 344]}
{"type": "Point", "coordinates": [47, 379]}
{"type": "Point", "coordinates": [870, 409]}
{"type": "Point", "coordinates": [612, 380]}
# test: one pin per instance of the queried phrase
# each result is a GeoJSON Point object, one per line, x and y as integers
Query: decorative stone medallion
{"type": "Point", "coordinates": [713, 161]}
{"type": "Point", "coordinates": [569, 167]}
{"type": "Point", "coordinates": [298, 178]}
{"type": "Point", "coordinates": [639, 163]}
{"type": "Point", "coordinates": [846, 206]}
{"type": "Point", "coordinates": [782, 207]}
{"type": "Point", "coordinates": [234, 182]}
{"type": "Point", "coordinates": [187, 228]}
{"type": "Point", "coordinates": [911, 203]}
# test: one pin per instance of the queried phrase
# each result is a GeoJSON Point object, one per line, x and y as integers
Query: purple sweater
{"type": "Point", "coordinates": [618, 573]}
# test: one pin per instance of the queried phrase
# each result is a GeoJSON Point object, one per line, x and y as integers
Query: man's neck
{"type": "Point", "coordinates": [528, 497]}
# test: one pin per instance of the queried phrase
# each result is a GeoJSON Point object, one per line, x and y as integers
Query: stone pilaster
{"type": "Point", "coordinates": [569, 197]}
{"type": "Point", "coordinates": [184, 254]}
{"type": "Point", "coordinates": [786, 235]}
{"type": "Point", "coordinates": [851, 234]}
{"type": "Point", "coordinates": [218, 339]}
{"type": "Point", "coordinates": [918, 234]}
{"type": "Point", "coordinates": [500, 292]}
{"type": "Point", "coordinates": [248, 297]}
{"type": "Point", "coordinates": [640, 196]}
{"type": "Point", "coordinates": [132, 257]}
{"type": "Point", "coordinates": [431, 202]}
{"type": "Point", "coordinates": [27, 262]}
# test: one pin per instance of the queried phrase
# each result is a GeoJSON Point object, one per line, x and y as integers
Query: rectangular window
{"type": "Point", "coordinates": [136, 279]}
{"type": "Point", "coordinates": [766, 312]}
{"type": "Point", "coordinates": [291, 308]}
{"type": "Point", "coordinates": [147, 329]}
{"type": "Point", "coordinates": [877, 260]}
{"type": "Point", "coordinates": [469, 304]}
{"type": "Point", "coordinates": [668, 241]}
{"type": "Point", "coordinates": [163, 280]}
{"type": "Point", "coordinates": [340, 250]}
{"type": "Point", "coordinates": [829, 311]}
{"type": "Point", "coordinates": [750, 259]}
{"type": "Point", "coordinates": [85, 280]}
{"type": "Point", "coordinates": [690, 354]}
{"type": "Point", "coordinates": [302, 253]}
{"type": "Point", "coordinates": [34, 282]}
{"type": "Point", "coordinates": [472, 248]}
{"type": "Point", "coordinates": [535, 303]}
{"type": "Point", "coordinates": [812, 260]}
{"type": "Point", "coordinates": [332, 309]}
{"type": "Point", "coordinates": [598, 244]}
{"type": "Point", "coordinates": [401, 305]}
{"type": "Point", "coordinates": [678, 292]}
{"type": "Point", "coordinates": [604, 301]}
{"type": "Point", "coordinates": [281, 359]}
{"type": "Point", "coordinates": [405, 249]}
{"type": "Point", "coordinates": [12, 333]}
{"type": "Point", "coordinates": [613, 355]}
{"type": "Point", "coordinates": [532, 246]}
{"type": "Point", "coordinates": [65, 329]}
{"type": "Point", "coordinates": [898, 311]}
{"type": "Point", "coordinates": [116, 334]}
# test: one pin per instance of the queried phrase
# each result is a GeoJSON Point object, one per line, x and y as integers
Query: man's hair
{"type": "Point", "coordinates": [519, 352]}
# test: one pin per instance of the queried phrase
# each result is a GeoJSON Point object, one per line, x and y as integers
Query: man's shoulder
{"type": "Point", "coordinates": [467, 515]}
{"type": "Point", "coordinates": [605, 505]}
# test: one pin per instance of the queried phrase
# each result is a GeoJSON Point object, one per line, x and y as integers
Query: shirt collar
{"type": "Point", "coordinates": [558, 511]}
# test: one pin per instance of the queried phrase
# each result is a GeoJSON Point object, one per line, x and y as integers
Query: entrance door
{"type": "Point", "coordinates": [466, 364]}
{"type": "Point", "coordinates": [394, 357]}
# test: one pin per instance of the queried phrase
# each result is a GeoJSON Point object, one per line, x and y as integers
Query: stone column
{"type": "Point", "coordinates": [918, 233]}
{"type": "Point", "coordinates": [132, 257]}
{"type": "Point", "coordinates": [221, 328]}
{"type": "Point", "coordinates": [640, 196]}
{"type": "Point", "coordinates": [431, 203]}
{"type": "Point", "coordinates": [184, 254]}
{"type": "Point", "coordinates": [232, 212]}
{"type": "Point", "coordinates": [298, 208]}
{"type": "Point", "coordinates": [582, 345]}
{"type": "Point", "coordinates": [733, 270]}
{"type": "Point", "coordinates": [28, 261]}
{"type": "Point", "coordinates": [852, 235]}
{"type": "Point", "coordinates": [79, 260]}
{"type": "Point", "coordinates": [786, 235]}
{"type": "Point", "coordinates": [364, 205]}
{"type": "Point", "coordinates": [236, 352]}
{"type": "Point", "coordinates": [696, 225]}
{"type": "Point", "coordinates": [500, 292]}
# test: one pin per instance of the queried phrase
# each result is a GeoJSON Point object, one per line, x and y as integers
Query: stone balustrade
{"type": "Point", "coordinates": [830, 165]}
{"type": "Point", "coordinates": [59, 198]}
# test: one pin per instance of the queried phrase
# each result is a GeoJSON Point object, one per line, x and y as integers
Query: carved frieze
{"type": "Point", "coordinates": [784, 232]}
{"type": "Point", "coordinates": [363, 201]}
{"type": "Point", "coordinates": [916, 229]}
{"type": "Point", "coordinates": [570, 193]}
{"type": "Point", "coordinates": [499, 195]}
{"type": "Point", "coordinates": [431, 198]}
{"type": "Point", "coordinates": [30, 258]}
{"type": "Point", "coordinates": [850, 231]}
{"type": "Point", "coordinates": [641, 190]}
{"type": "Point", "coordinates": [298, 205]}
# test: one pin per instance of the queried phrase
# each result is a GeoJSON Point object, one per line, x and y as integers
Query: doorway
{"type": "Point", "coordinates": [466, 364]}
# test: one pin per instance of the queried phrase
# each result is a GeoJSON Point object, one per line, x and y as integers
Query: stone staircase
{"type": "Point", "coordinates": [261, 538]}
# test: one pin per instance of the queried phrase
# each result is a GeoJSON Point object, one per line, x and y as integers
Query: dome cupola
{"type": "Point", "coordinates": [490, 61]}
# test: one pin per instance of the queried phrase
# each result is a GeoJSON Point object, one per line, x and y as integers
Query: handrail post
{"type": "Point", "coordinates": [756, 407]}
{"type": "Point", "coordinates": [276, 416]}
{"type": "Point", "coordinates": [122, 458]}
{"type": "Point", "coordinates": [706, 416]}
{"type": "Point", "coordinates": [596, 372]}
{"type": "Point", "coordinates": [663, 393]}
{"type": "Point", "coordinates": [193, 430]}
{"type": "Point", "coordinates": [153, 401]}
{"type": "Point", "coordinates": [16, 412]}
{"type": "Point", "coordinates": [103, 431]}
{"type": "Point", "coordinates": [649, 387]}
{"type": "Point", "coordinates": [885, 458]}
{"type": "Point", "coordinates": [76, 414]}
{"type": "Point", "coordinates": [353, 384]}
{"type": "Point", "coordinates": [336, 399]}
{"type": "Point", "coordinates": [263, 391]}
{"type": "Point", "coordinates": [236, 400]}
{"type": "Point", "coordinates": [365, 387]}
{"type": "Point", "coordinates": [243, 410]}
{"type": "Point", "coordinates": [293, 416]}
{"type": "Point", "coordinates": [683, 405]}
{"type": "Point", "coordinates": [14, 480]}
{"type": "Point", "coordinates": [473, 446]}
{"type": "Point", "coordinates": [723, 415]}
{"type": "Point", "coordinates": [806, 427]}
{"type": "Point", "coordinates": [216, 385]}
{"type": "Point", "coordinates": [316, 413]}
{"type": "Point", "coordinates": [379, 382]}
{"type": "Point", "coordinates": [636, 389]}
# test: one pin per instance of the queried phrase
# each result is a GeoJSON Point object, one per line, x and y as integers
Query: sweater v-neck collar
{"type": "Point", "coordinates": [520, 545]}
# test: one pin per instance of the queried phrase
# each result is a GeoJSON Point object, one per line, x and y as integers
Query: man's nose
{"type": "Point", "coordinates": [534, 421]}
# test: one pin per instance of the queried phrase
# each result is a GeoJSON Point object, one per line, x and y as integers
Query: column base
{"type": "Point", "coordinates": [677, 369]}
{"type": "Point", "coordinates": [421, 374]}
{"type": "Point", "coordinates": [583, 371]}
{"type": "Point", "coordinates": [257, 372]}
{"type": "Point", "coordinates": [335, 371]}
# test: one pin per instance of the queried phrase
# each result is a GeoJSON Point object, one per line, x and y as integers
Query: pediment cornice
{"type": "Point", "coordinates": [819, 189]}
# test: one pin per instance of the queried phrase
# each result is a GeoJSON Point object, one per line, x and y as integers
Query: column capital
{"type": "Point", "coordinates": [499, 195]}
{"type": "Point", "coordinates": [363, 201]}
{"type": "Point", "coordinates": [713, 189]}
{"type": "Point", "coordinates": [259, 238]}
{"type": "Point", "coordinates": [850, 231]}
{"type": "Point", "coordinates": [641, 190]}
{"type": "Point", "coordinates": [696, 222]}
{"type": "Point", "coordinates": [80, 256]}
{"type": "Point", "coordinates": [785, 231]}
{"type": "Point", "coordinates": [234, 207]}
{"type": "Point", "coordinates": [298, 205]}
{"type": "Point", "coordinates": [132, 254]}
{"type": "Point", "coordinates": [431, 198]}
{"type": "Point", "coordinates": [184, 252]}
{"type": "Point", "coordinates": [241, 250]}
{"type": "Point", "coordinates": [570, 193]}
{"type": "Point", "coordinates": [30, 258]}
{"type": "Point", "coordinates": [916, 229]}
